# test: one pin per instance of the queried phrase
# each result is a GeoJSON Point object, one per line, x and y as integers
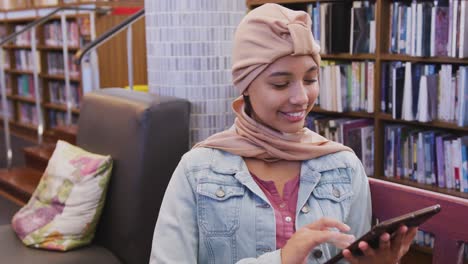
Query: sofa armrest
{"type": "Point", "coordinates": [449, 226]}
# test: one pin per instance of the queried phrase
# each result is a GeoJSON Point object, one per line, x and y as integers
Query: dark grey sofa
{"type": "Point", "coordinates": [146, 135]}
{"type": "Point", "coordinates": [7, 210]}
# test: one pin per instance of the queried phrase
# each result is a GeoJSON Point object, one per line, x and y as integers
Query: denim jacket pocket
{"type": "Point", "coordinates": [219, 208]}
{"type": "Point", "coordinates": [334, 193]}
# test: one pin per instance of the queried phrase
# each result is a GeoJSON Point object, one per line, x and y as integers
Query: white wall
{"type": "Point", "coordinates": [189, 46]}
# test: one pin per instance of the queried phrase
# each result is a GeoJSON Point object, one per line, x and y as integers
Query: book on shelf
{"type": "Point", "coordinates": [426, 156]}
{"type": "Point", "coordinates": [58, 118]}
{"type": "Point", "coordinates": [463, 34]}
{"type": "Point", "coordinates": [53, 33]}
{"type": "Point", "coordinates": [6, 60]}
{"type": "Point", "coordinates": [358, 134]}
{"type": "Point", "coordinates": [344, 27]}
{"type": "Point", "coordinates": [24, 60]}
{"type": "Point", "coordinates": [346, 86]}
{"type": "Point", "coordinates": [424, 32]}
{"type": "Point", "coordinates": [362, 21]}
{"type": "Point", "coordinates": [425, 92]}
{"type": "Point", "coordinates": [340, 30]}
{"type": "Point", "coordinates": [9, 109]}
{"type": "Point", "coordinates": [429, 28]}
{"type": "Point", "coordinates": [18, 62]}
{"type": "Point", "coordinates": [464, 163]}
{"type": "Point", "coordinates": [8, 85]}
{"type": "Point", "coordinates": [441, 31]}
{"type": "Point", "coordinates": [57, 93]}
{"type": "Point", "coordinates": [314, 11]}
{"type": "Point", "coordinates": [28, 114]}
{"type": "Point", "coordinates": [23, 39]}
{"type": "Point", "coordinates": [26, 86]}
{"type": "Point", "coordinates": [463, 96]}
{"type": "Point", "coordinates": [402, 38]}
{"type": "Point", "coordinates": [367, 147]}
{"type": "Point", "coordinates": [424, 239]}
{"type": "Point", "coordinates": [398, 80]}
{"type": "Point", "coordinates": [56, 64]}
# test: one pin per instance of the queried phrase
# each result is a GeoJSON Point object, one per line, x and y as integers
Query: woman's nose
{"type": "Point", "coordinates": [298, 95]}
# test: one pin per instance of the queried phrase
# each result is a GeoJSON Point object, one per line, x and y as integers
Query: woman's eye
{"type": "Point", "coordinates": [280, 85]}
{"type": "Point", "coordinates": [310, 81]}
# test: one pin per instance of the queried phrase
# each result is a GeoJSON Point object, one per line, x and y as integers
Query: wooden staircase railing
{"type": "Point", "coordinates": [18, 184]}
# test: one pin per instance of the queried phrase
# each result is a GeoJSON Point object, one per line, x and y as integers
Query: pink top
{"type": "Point", "coordinates": [285, 208]}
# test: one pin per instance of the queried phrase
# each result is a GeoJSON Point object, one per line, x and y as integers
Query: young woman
{"type": "Point", "coordinates": [269, 190]}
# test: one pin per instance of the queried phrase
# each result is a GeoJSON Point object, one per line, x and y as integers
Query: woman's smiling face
{"type": "Point", "coordinates": [283, 94]}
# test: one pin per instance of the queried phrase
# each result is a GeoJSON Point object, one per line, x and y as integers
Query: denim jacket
{"type": "Point", "coordinates": [214, 212]}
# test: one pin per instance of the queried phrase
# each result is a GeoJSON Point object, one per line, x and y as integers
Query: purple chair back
{"type": "Point", "coordinates": [449, 226]}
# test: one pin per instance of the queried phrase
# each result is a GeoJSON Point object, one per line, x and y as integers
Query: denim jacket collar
{"type": "Point", "coordinates": [228, 163]}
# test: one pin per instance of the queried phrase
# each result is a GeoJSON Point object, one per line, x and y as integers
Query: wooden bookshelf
{"type": "Point", "coordinates": [16, 72]}
{"type": "Point", "coordinates": [59, 77]}
{"type": "Point", "coordinates": [31, 4]}
{"type": "Point", "coordinates": [11, 46]}
{"type": "Point", "coordinates": [319, 110]}
{"type": "Point", "coordinates": [432, 124]}
{"type": "Point", "coordinates": [381, 120]}
{"type": "Point", "coordinates": [346, 56]}
{"type": "Point", "coordinates": [21, 20]}
{"type": "Point", "coordinates": [45, 64]}
{"type": "Point", "coordinates": [56, 48]}
{"type": "Point", "coordinates": [439, 60]}
{"type": "Point", "coordinates": [115, 76]}
{"type": "Point", "coordinates": [381, 55]}
{"type": "Point", "coordinates": [26, 125]}
{"type": "Point", "coordinates": [24, 99]}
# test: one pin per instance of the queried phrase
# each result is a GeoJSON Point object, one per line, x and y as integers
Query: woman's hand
{"type": "Point", "coordinates": [389, 251]}
{"type": "Point", "coordinates": [306, 238]}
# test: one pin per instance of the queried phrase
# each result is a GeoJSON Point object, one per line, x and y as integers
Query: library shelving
{"type": "Point", "coordinates": [17, 13]}
{"type": "Point", "coordinates": [387, 25]}
{"type": "Point", "coordinates": [15, 5]}
{"type": "Point", "coordinates": [382, 54]}
{"type": "Point", "coordinates": [19, 70]}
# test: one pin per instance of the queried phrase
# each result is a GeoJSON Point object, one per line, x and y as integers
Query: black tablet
{"type": "Point", "coordinates": [372, 237]}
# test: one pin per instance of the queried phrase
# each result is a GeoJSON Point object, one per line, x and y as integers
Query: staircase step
{"type": "Point", "coordinates": [19, 182]}
{"type": "Point", "coordinates": [37, 157]}
{"type": "Point", "coordinates": [66, 133]}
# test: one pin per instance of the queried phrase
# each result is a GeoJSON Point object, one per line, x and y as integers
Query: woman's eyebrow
{"type": "Point", "coordinates": [275, 74]}
{"type": "Point", "coordinates": [313, 68]}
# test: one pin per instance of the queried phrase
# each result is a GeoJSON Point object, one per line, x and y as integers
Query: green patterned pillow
{"type": "Point", "coordinates": [64, 210]}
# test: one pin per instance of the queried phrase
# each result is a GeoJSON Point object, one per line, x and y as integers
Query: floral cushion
{"type": "Point", "coordinates": [64, 210]}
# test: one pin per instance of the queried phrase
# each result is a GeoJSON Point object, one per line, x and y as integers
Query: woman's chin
{"type": "Point", "coordinates": [291, 129]}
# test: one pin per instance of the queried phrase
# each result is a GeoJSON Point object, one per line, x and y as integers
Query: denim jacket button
{"type": "Point", "coordinates": [305, 209]}
{"type": "Point", "coordinates": [317, 253]}
{"type": "Point", "coordinates": [336, 193]}
{"type": "Point", "coordinates": [220, 193]}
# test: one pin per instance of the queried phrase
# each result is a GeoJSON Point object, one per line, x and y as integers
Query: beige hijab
{"type": "Point", "coordinates": [265, 34]}
{"type": "Point", "coordinates": [249, 138]}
